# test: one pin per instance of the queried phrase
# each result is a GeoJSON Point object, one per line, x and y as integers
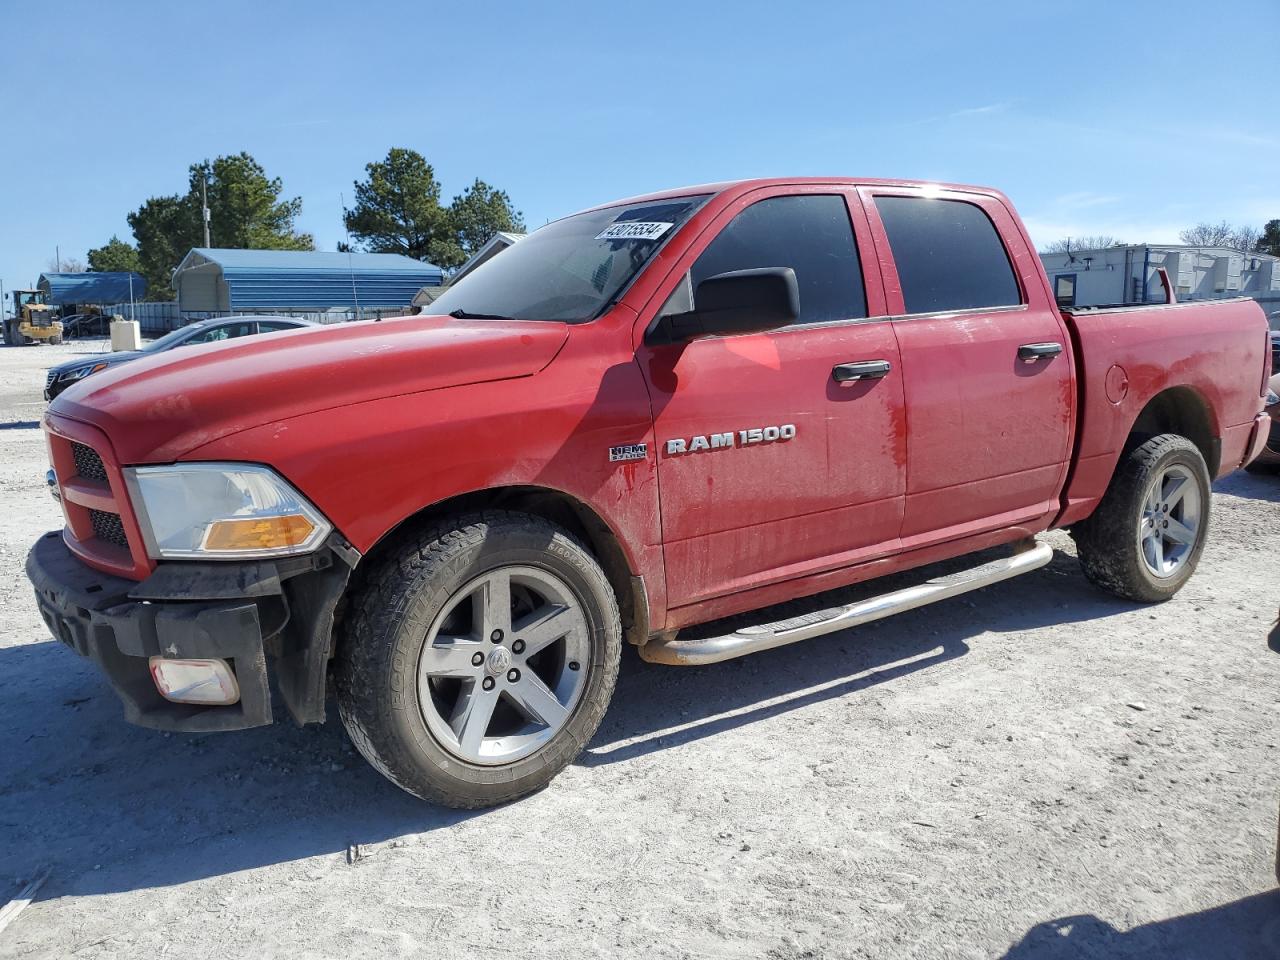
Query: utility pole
{"type": "Point", "coordinates": [342, 200]}
{"type": "Point", "coordinates": [57, 256]}
{"type": "Point", "coordinates": [204, 208]}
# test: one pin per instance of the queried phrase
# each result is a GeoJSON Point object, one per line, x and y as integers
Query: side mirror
{"type": "Point", "coordinates": [741, 301]}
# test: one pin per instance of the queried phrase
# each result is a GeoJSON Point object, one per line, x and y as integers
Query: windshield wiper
{"type": "Point", "coordinates": [461, 314]}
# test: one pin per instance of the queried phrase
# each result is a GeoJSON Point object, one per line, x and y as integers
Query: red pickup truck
{"type": "Point", "coordinates": [646, 416]}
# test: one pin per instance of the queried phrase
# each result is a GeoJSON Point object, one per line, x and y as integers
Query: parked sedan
{"type": "Point", "coordinates": [202, 331]}
{"type": "Point", "coordinates": [1269, 459]}
{"type": "Point", "coordinates": [85, 325]}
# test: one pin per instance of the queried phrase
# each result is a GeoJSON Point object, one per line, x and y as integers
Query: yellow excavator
{"type": "Point", "coordinates": [33, 320]}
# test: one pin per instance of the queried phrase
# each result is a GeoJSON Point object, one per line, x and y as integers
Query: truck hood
{"type": "Point", "coordinates": [158, 407]}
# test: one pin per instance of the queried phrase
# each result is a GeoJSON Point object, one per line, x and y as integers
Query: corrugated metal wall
{"type": "Point", "coordinates": [322, 289]}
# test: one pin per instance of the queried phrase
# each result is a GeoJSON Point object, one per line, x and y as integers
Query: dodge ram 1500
{"type": "Point", "coordinates": [643, 417]}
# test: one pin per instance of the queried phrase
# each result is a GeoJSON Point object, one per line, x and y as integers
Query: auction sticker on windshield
{"type": "Point", "coordinates": [634, 230]}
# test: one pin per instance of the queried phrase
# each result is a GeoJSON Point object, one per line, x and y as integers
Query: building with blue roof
{"type": "Point", "coordinates": [210, 280]}
{"type": "Point", "coordinates": [98, 289]}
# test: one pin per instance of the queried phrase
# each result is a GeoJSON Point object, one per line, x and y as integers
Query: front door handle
{"type": "Point", "coordinates": [1033, 352]}
{"type": "Point", "coordinates": [863, 370]}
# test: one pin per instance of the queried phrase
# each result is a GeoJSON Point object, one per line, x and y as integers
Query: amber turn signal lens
{"type": "Point", "coordinates": [258, 533]}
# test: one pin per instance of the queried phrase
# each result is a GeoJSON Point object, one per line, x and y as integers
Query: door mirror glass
{"type": "Point", "coordinates": [738, 302]}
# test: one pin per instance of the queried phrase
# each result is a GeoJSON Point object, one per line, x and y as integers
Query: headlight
{"type": "Point", "coordinates": [82, 372]}
{"type": "Point", "coordinates": [222, 510]}
{"type": "Point", "coordinates": [1272, 398]}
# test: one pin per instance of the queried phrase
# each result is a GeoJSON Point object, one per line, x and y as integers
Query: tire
{"type": "Point", "coordinates": [56, 341]}
{"type": "Point", "coordinates": [1120, 550]}
{"type": "Point", "coordinates": [425, 609]}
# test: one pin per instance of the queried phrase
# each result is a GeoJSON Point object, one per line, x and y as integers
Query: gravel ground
{"type": "Point", "coordinates": [1035, 771]}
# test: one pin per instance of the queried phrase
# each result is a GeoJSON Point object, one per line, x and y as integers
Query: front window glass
{"type": "Point", "coordinates": [569, 270]}
{"type": "Point", "coordinates": [168, 340]}
{"type": "Point", "coordinates": [811, 234]}
{"type": "Point", "coordinates": [225, 331]}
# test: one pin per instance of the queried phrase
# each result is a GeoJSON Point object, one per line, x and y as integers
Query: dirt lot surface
{"type": "Point", "coordinates": [1035, 771]}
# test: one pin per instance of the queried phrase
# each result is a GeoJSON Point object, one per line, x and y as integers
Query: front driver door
{"type": "Point", "coordinates": [769, 467]}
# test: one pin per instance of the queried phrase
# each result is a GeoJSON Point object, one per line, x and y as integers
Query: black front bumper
{"type": "Point", "coordinates": [240, 612]}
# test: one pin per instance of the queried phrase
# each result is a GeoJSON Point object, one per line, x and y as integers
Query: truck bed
{"type": "Point", "coordinates": [1145, 360]}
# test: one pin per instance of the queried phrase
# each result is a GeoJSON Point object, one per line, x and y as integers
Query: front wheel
{"type": "Point", "coordinates": [478, 659]}
{"type": "Point", "coordinates": [1145, 538]}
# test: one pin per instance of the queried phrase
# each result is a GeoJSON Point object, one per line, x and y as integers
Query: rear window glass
{"type": "Point", "coordinates": [948, 255]}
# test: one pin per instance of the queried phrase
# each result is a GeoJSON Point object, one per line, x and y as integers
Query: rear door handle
{"type": "Point", "coordinates": [1031, 352]}
{"type": "Point", "coordinates": [863, 370]}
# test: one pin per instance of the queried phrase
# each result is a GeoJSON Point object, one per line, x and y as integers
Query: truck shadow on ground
{"type": "Point", "coordinates": [113, 807]}
{"type": "Point", "coordinates": [1247, 929]}
{"type": "Point", "coordinates": [1255, 486]}
{"type": "Point", "coordinates": [657, 707]}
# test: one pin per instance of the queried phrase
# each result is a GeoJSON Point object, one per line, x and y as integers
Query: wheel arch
{"type": "Point", "coordinates": [567, 511]}
{"type": "Point", "coordinates": [1181, 410]}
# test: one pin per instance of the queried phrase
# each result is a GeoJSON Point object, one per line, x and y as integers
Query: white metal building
{"type": "Point", "coordinates": [1127, 274]}
{"type": "Point", "coordinates": [290, 281]}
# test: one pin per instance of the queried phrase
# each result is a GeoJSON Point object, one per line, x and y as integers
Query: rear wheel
{"type": "Point", "coordinates": [478, 659]}
{"type": "Point", "coordinates": [1145, 538]}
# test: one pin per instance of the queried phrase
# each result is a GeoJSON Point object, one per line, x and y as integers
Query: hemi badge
{"type": "Point", "coordinates": [629, 451]}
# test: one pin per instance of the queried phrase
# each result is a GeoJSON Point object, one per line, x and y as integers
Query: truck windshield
{"type": "Point", "coordinates": [569, 270]}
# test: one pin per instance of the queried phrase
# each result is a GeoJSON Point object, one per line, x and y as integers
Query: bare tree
{"type": "Point", "coordinates": [1076, 244]}
{"type": "Point", "coordinates": [66, 265]}
{"type": "Point", "coordinates": [1222, 234]}
{"type": "Point", "coordinates": [1246, 239]}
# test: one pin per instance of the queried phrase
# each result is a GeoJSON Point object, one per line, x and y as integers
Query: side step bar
{"type": "Point", "coordinates": [766, 636]}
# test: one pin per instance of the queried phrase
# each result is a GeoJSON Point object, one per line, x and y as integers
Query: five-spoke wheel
{"type": "Point", "coordinates": [1170, 524]}
{"type": "Point", "coordinates": [502, 667]}
{"type": "Point", "coordinates": [478, 657]}
{"type": "Point", "coordinates": [1144, 539]}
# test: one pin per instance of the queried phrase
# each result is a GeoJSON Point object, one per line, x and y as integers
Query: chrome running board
{"type": "Point", "coordinates": [766, 636]}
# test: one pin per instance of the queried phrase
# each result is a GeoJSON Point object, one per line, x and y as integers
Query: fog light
{"type": "Point", "coordinates": [195, 681]}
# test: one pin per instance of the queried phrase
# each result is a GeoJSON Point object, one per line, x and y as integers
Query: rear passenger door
{"type": "Point", "coordinates": [986, 363]}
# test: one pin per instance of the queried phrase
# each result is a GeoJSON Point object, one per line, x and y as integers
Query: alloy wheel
{"type": "Point", "coordinates": [504, 665]}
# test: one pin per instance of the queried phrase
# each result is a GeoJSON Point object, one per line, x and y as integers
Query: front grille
{"type": "Point", "coordinates": [88, 463]}
{"type": "Point", "coordinates": [1275, 356]}
{"type": "Point", "coordinates": [108, 528]}
{"type": "Point", "coordinates": [53, 375]}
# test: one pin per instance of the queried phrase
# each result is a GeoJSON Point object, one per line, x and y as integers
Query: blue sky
{"type": "Point", "coordinates": [1132, 119]}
